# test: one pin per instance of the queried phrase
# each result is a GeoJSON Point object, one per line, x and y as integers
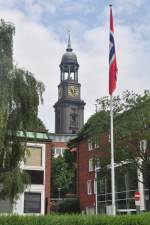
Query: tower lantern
{"type": "Point", "coordinates": [69, 65]}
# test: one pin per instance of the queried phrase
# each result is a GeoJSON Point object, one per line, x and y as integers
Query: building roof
{"type": "Point", "coordinates": [34, 135]}
{"type": "Point", "coordinates": [69, 57]}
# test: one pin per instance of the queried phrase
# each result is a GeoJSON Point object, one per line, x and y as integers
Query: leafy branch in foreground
{"type": "Point", "coordinates": [20, 96]}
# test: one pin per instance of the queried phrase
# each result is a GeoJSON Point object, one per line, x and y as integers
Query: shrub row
{"type": "Point", "coordinates": [69, 206]}
{"type": "Point", "coordinates": [143, 219]}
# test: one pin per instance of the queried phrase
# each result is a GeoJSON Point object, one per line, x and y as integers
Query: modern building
{"type": "Point", "coordinates": [69, 109]}
{"type": "Point", "coordinates": [36, 197]}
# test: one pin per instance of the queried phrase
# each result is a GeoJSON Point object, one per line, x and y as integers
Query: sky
{"type": "Point", "coordinates": [41, 39]}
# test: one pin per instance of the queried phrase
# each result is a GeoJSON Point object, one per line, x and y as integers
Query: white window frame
{"type": "Point", "coordinates": [18, 207]}
{"type": "Point", "coordinates": [90, 146]}
{"type": "Point", "coordinates": [42, 167]}
{"type": "Point", "coordinates": [96, 142]}
{"type": "Point", "coordinates": [93, 143]}
{"type": "Point", "coordinates": [61, 151]}
{"type": "Point", "coordinates": [89, 187]}
{"type": "Point", "coordinates": [91, 166]}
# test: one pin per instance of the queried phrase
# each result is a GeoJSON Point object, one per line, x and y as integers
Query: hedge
{"type": "Point", "coordinates": [142, 219]}
{"type": "Point", "coordinates": [69, 206]}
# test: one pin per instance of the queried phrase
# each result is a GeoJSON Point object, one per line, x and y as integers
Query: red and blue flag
{"type": "Point", "coordinates": [112, 57]}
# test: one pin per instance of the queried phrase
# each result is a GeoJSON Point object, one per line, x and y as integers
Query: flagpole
{"type": "Point", "coordinates": [112, 158]}
{"type": "Point", "coordinates": [112, 86]}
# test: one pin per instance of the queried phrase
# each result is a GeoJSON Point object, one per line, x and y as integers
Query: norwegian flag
{"type": "Point", "coordinates": [112, 57]}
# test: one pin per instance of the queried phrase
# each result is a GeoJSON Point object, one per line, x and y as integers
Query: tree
{"type": "Point", "coordinates": [63, 175]}
{"type": "Point", "coordinates": [20, 95]}
{"type": "Point", "coordinates": [131, 132]}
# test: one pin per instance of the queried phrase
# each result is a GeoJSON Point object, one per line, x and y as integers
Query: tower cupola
{"type": "Point", "coordinates": [69, 64]}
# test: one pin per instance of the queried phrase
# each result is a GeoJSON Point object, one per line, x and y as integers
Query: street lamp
{"type": "Point", "coordinates": [96, 205]}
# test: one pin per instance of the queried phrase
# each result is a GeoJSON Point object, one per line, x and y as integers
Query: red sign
{"type": "Point", "coordinates": [137, 196]}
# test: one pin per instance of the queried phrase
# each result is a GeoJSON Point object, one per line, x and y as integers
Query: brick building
{"type": "Point", "coordinates": [86, 185]}
{"type": "Point", "coordinates": [94, 190]}
{"type": "Point", "coordinates": [93, 187]}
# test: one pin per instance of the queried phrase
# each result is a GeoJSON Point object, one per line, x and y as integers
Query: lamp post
{"type": "Point", "coordinates": [96, 205]}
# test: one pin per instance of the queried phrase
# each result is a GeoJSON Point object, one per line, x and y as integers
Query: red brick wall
{"type": "Point", "coordinates": [83, 174]}
{"type": "Point", "coordinates": [60, 144]}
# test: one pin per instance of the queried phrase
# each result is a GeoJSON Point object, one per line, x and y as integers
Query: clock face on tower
{"type": "Point", "coordinates": [73, 90]}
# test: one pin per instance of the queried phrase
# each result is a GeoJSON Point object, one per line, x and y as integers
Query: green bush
{"type": "Point", "coordinates": [56, 219]}
{"type": "Point", "coordinates": [69, 206]}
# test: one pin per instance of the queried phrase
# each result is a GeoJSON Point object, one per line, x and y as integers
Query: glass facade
{"type": "Point", "coordinates": [125, 187]}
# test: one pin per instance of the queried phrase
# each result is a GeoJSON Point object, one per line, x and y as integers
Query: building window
{"type": "Point", "coordinates": [91, 165]}
{"type": "Point", "coordinates": [58, 152]}
{"type": "Point", "coordinates": [36, 176]}
{"type": "Point", "coordinates": [96, 142]}
{"type": "Point", "coordinates": [90, 144]}
{"type": "Point", "coordinates": [32, 202]}
{"type": "Point", "coordinates": [93, 143]}
{"type": "Point", "coordinates": [94, 164]}
{"type": "Point", "coordinates": [33, 156]}
{"type": "Point", "coordinates": [102, 185]}
{"type": "Point", "coordinates": [90, 187]}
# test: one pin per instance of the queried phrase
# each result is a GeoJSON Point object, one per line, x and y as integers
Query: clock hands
{"type": "Point", "coordinates": [73, 91]}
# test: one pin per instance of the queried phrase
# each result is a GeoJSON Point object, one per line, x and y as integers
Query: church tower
{"type": "Point", "coordinates": [69, 109]}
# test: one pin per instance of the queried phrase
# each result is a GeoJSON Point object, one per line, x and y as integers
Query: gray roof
{"type": "Point", "coordinates": [69, 58]}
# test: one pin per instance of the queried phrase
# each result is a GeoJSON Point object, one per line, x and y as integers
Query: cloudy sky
{"type": "Point", "coordinates": [41, 37]}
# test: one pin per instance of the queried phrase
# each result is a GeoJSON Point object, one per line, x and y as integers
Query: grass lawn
{"type": "Point", "coordinates": [56, 219]}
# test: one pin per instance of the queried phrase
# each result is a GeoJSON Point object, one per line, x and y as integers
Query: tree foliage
{"type": "Point", "coordinates": [131, 131]}
{"type": "Point", "coordinates": [131, 126]}
{"type": "Point", "coordinates": [20, 95]}
{"type": "Point", "coordinates": [63, 174]}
